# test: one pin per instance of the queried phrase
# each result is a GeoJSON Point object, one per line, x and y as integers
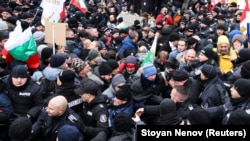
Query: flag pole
{"type": "Point", "coordinates": [34, 16]}
{"type": "Point", "coordinates": [53, 39]}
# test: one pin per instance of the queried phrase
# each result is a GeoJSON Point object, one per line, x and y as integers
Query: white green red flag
{"type": "Point", "coordinates": [80, 4]}
{"type": "Point", "coordinates": [21, 46]}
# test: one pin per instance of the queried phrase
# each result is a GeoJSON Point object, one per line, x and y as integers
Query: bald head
{"type": "Point", "coordinates": [57, 106]}
{"type": "Point", "coordinates": [190, 55]}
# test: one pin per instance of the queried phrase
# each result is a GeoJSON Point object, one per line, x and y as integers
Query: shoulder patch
{"type": "Point", "coordinates": [72, 118]}
{"type": "Point", "coordinates": [103, 118]}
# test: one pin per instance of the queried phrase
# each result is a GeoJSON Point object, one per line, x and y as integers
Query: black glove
{"type": "Point", "coordinates": [82, 128]}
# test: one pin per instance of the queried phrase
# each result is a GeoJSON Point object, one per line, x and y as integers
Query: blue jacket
{"type": "Point", "coordinates": [127, 44]}
{"type": "Point", "coordinates": [5, 104]}
{"type": "Point", "coordinates": [127, 108]}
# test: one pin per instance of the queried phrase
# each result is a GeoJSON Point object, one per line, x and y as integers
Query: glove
{"type": "Point", "coordinates": [227, 106]}
{"type": "Point", "coordinates": [82, 128]}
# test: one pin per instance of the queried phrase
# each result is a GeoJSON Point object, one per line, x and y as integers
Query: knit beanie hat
{"type": "Point", "coordinates": [244, 55]}
{"type": "Point", "coordinates": [3, 35]}
{"type": "Point", "coordinates": [245, 70]}
{"type": "Point", "coordinates": [57, 60]}
{"type": "Point", "coordinates": [78, 64]}
{"type": "Point", "coordinates": [123, 93]}
{"type": "Point", "coordinates": [20, 128]}
{"type": "Point", "coordinates": [67, 76]}
{"type": "Point", "coordinates": [208, 52]}
{"type": "Point", "coordinates": [87, 86]}
{"type": "Point", "coordinates": [131, 59]}
{"type": "Point", "coordinates": [180, 75]}
{"type": "Point", "coordinates": [222, 39]}
{"type": "Point", "coordinates": [242, 87]}
{"type": "Point", "coordinates": [220, 26]}
{"type": "Point", "coordinates": [148, 70]}
{"type": "Point", "coordinates": [105, 69]}
{"type": "Point", "coordinates": [3, 25]}
{"type": "Point", "coordinates": [123, 122]}
{"type": "Point", "coordinates": [168, 113]}
{"type": "Point", "coordinates": [199, 116]}
{"type": "Point", "coordinates": [20, 71]}
{"type": "Point", "coordinates": [93, 53]}
{"type": "Point", "coordinates": [113, 64]}
{"type": "Point", "coordinates": [205, 21]}
{"type": "Point", "coordinates": [40, 48]}
{"type": "Point", "coordinates": [118, 79]}
{"type": "Point", "coordinates": [172, 63]}
{"type": "Point", "coordinates": [238, 37]}
{"type": "Point", "coordinates": [209, 71]}
{"type": "Point", "coordinates": [68, 133]}
{"type": "Point", "coordinates": [39, 36]}
{"type": "Point", "coordinates": [8, 10]}
{"type": "Point", "coordinates": [174, 37]}
{"type": "Point", "coordinates": [46, 53]}
{"type": "Point", "coordinates": [233, 33]}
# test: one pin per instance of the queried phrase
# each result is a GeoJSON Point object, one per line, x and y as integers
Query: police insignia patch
{"type": "Point", "coordinates": [103, 118]}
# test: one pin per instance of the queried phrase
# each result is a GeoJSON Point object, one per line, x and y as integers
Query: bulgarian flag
{"type": "Point", "coordinates": [244, 19]}
{"type": "Point", "coordinates": [21, 46]}
{"type": "Point", "coordinates": [151, 54]}
{"type": "Point", "coordinates": [80, 4]}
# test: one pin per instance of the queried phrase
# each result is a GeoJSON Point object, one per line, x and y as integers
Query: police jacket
{"type": "Point", "coordinates": [95, 116]}
{"type": "Point", "coordinates": [48, 126]}
{"type": "Point", "coordinates": [26, 99]}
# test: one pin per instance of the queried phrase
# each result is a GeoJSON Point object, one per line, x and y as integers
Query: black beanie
{"type": "Point", "coordinates": [174, 37]}
{"type": "Point", "coordinates": [244, 55]}
{"type": "Point", "coordinates": [46, 53]}
{"type": "Point", "coordinates": [206, 21]}
{"type": "Point", "coordinates": [199, 116]}
{"type": "Point", "coordinates": [20, 128]}
{"type": "Point", "coordinates": [209, 71]}
{"type": "Point", "coordinates": [172, 63]}
{"type": "Point", "coordinates": [123, 122]}
{"type": "Point", "coordinates": [20, 71]}
{"type": "Point", "coordinates": [123, 93]}
{"type": "Point", "coordinates": [168, 113]}
{"type": "Point", "coordinates": [57, 60]}
{"type": "Point", "coordinates": [113, 64]}
{"type": "Point", "coordinates": [67, 76]}
{"type": "Point", "coordinates": [245, 70]}
{"type": "Point", "coordinates": [242, 87]}
{"type": "Point", "coordinates": [180, 75]}
{"type": "Point", "coordinates": [208, 52]}
{"type": "Point", "coordinates": [105, 69]}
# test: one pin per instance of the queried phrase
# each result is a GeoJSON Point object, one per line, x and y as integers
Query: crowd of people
{"type": "Point", "coordinates": [101, 86]}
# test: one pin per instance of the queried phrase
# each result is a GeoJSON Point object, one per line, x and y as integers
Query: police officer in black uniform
{"type": "Point", "coordinates": [95, 111]}
{"type": "Point", "coordinates": [52, 118]}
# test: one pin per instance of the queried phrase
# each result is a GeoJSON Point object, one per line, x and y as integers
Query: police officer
{"type": "Point", "coordinates": [95, 111]}
{"type": "Point", "coordinates": [52, 118]}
